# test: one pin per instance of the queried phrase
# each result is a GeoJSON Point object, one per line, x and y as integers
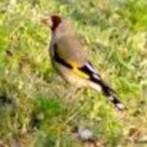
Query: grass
{"type": "Point", "coordinates": [32, 112]}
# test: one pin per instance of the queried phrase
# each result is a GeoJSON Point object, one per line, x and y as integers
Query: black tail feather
{"type": "Point", "coordinates": [108, 92]}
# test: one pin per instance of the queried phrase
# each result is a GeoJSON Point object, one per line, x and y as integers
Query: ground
{"type": "Point", "coordinates": [33, 108]}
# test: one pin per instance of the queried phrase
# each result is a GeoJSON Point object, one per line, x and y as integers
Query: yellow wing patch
{"type": "Point", "coordinates": [80, 73]}
{"type": "Point", "coordinates": [77, 71]}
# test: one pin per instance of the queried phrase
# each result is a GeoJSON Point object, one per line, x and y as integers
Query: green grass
{"type": "Point", "coordinates": [33, 110]}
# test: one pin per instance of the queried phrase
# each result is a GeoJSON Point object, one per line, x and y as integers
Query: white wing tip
{"type": "Point", "coordinates": [120, 106]}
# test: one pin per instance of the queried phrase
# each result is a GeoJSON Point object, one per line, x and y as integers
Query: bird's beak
{"type": "Point", "coordinates": [47, 21]}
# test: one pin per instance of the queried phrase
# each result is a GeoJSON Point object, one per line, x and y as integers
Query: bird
{"type": "Point", "coordinates": [71, 60]}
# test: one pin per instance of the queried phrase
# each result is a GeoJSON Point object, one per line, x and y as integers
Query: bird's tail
{"type": "Point", "coordinates": [99, 84]}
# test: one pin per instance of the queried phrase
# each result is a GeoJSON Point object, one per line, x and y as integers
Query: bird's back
{"type": "Point", "coordinates": [69, 48]}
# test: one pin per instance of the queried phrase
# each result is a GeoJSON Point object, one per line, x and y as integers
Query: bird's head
{"type": "Point", "coordinates": [59, 25]}
{"type": "Point", "coordinates": [52, 21]}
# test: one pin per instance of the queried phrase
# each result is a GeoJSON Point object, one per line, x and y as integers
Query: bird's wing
{"type": "Point", "coordinates": [70, 49]}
